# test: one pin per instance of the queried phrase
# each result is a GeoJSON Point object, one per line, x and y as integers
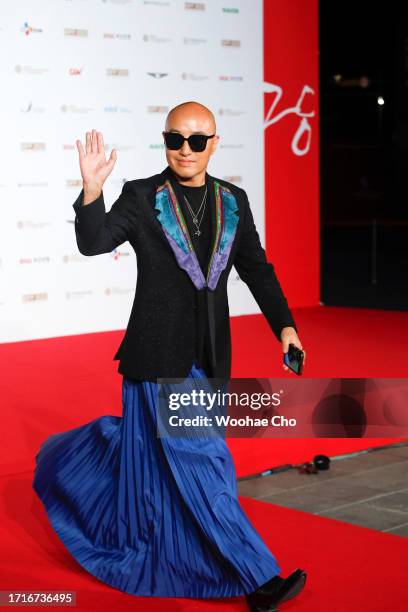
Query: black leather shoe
{"type": "Point", "coordinates": [276, 590]}
{"type": "Point", "coordinates": [271, 587]}
{"type": "Point", "coordinates": [254, 607]}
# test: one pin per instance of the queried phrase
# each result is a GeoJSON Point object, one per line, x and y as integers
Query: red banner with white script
{"type": "Point", "coordinates": [291, 125]}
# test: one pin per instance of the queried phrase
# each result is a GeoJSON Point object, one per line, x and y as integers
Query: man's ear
{"type": "Point", "coordinates": [214, 143]}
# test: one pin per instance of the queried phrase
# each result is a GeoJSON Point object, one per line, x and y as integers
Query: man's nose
{"type": "Point", "coordinates": [185, 149]}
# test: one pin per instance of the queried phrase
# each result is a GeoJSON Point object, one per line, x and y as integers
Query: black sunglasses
{"type": "Point", "coordinates": [197, 142]}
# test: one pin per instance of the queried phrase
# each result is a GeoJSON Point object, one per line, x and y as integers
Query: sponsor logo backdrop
{"type": "Point", "coordinates": [119, 66]}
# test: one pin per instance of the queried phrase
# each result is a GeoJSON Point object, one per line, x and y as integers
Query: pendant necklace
{"type": "Point", "coordinates": [195, 215]}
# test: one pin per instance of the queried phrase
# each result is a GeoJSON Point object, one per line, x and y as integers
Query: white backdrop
{"type": "Point", "coordinates": [118, 66]}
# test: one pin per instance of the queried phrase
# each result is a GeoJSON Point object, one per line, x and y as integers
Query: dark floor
{"type": "Point", "coordinates": [368, 488]}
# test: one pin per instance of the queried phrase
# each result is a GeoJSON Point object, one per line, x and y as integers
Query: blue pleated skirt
{"type": "Point", "coordinates": [149, 515]}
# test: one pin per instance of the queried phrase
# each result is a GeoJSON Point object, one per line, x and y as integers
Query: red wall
{"type": "Point", "coordinates": [292, 181]}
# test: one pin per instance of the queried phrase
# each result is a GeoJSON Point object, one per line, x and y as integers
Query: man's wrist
{"type": "Point", "coordinates": [287, 327]}
{"type": "Point", "coordinates": [91, 193]}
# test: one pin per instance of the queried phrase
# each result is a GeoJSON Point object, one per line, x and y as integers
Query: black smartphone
{"type": "Point", "coordinates": [294, 359]}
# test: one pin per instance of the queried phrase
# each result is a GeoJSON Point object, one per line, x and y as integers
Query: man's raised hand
{"type": "Point", "coordinates": [95, 169]}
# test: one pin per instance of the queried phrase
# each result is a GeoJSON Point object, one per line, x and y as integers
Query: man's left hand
{"type": "Point", "coordinates": [289, 336]}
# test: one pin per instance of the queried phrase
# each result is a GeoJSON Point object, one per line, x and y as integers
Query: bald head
{"type": "Point", "coordinates": [191, 114]}
{"type": "Point", "coordinates": [187, 119]}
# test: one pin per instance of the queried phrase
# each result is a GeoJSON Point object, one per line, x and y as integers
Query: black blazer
{"type": "Point", "coordinates": [175, 302]}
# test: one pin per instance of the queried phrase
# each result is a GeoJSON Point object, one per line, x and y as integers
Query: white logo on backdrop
{"type": "Point", "coordinates": [304, 125]}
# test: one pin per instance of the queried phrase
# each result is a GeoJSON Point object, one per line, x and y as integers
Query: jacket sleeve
{"type": "Point", "coordinates": [98, 231]}
{"type": "Point", "coordinates": [259, 274]}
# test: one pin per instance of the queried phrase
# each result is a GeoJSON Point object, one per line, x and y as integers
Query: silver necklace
{"type": "Point", "coordinates": [195, 215]}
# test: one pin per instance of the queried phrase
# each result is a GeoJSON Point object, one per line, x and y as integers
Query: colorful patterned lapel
{"type": "Point", "coordinates": [177, 234]}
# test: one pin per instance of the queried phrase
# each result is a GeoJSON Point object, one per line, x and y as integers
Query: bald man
{"type": "Point", "coordinates": [188, 229]}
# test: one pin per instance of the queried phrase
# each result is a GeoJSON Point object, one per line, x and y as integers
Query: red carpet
{"type": "Point", "coordinates": [357, 569]}
{"type": "Point", "coordinates": [59, 383]}
{"type": "Point", "coordinates": [362, 341]}
{"type": "Point", "coordinates": [363, 347]}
